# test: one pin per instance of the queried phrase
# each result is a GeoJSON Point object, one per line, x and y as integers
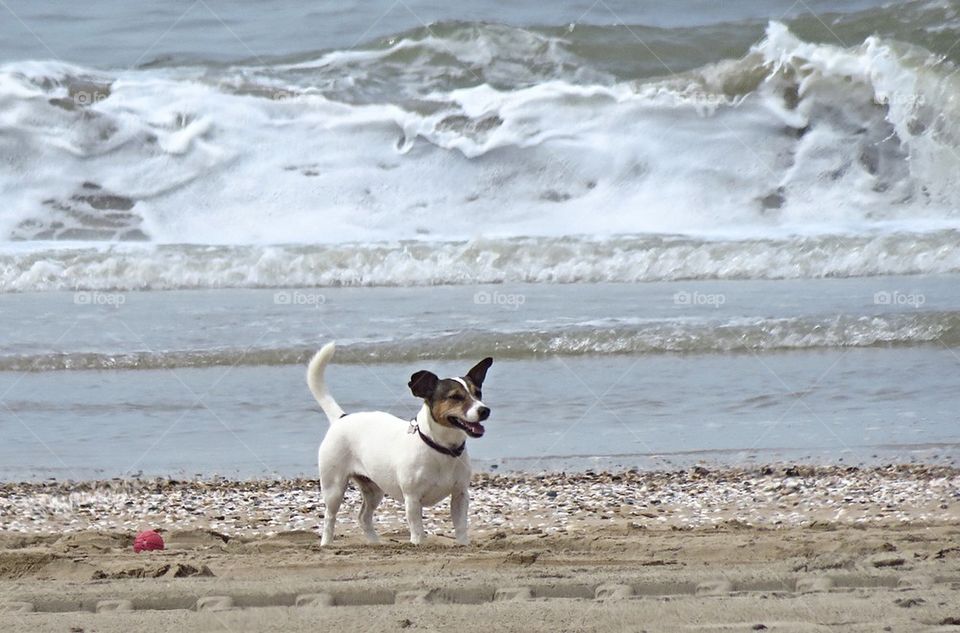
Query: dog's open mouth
{"type": "Point", "coordinates": [473, 429]}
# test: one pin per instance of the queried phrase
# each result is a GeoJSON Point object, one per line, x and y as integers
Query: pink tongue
{"type": "Point", "coordinates": [475, 427]}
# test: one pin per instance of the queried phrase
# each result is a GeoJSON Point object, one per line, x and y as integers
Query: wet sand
{"type": "Point", "coordinates": [786, 548]}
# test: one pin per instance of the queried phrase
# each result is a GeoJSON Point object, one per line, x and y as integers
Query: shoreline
{"type": "Point", "coordinates": [767, 496]}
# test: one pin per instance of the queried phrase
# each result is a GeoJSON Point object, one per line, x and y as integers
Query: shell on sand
{"type": "Point", "coordinates": [546, 503]}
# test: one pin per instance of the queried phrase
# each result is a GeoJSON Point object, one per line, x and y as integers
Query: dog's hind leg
{"type": "Point", "coordinates": [333, 492]}
{"type": "Point", "coordinates": [372, 496]}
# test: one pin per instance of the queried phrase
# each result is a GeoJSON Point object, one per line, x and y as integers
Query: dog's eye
{"type": "Point", "coordinates": [456, 397]}
{"type": "Point", "coordinates": [479, 395]}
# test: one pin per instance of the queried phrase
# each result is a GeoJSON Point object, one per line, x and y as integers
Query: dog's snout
{"type": "Point", "coordinates": [483, 413]}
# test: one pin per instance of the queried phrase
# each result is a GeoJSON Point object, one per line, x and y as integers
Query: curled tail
{"type": "Point", "coordinates": [318, 387]}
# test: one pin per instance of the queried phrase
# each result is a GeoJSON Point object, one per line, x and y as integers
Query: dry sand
{"type": "Point", "coordinates": [688, 553]}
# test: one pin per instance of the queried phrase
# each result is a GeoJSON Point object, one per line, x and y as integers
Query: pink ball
{"type": "Point", "coordinates": [147, 540]}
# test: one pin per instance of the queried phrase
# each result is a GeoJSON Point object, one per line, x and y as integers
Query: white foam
{"type": "Point", "coordinates": [210, 165]}
{"type": "Point", "coordinates": [424, 263]}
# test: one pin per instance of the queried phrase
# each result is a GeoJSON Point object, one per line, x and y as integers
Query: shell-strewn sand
{"type": "Point", "coordinates": [768, 496]}
{"type": "Point", "coordinates": [786, 548]}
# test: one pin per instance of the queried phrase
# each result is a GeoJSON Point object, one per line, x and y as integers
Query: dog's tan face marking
{"type": "Point", "coordinates": [450, 400]}
{"type": "Point", "coordinates": [455, 402]}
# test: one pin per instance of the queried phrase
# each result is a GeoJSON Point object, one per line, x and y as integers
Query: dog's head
{"type": "Point", "coordinates": [455, 402]}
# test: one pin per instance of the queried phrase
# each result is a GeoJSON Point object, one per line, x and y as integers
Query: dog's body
{"type": "Point", "coordinates": [384, 454]}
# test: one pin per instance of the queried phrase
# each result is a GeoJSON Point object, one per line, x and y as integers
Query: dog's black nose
{"type": "Point", "coordinates": [483, 412]}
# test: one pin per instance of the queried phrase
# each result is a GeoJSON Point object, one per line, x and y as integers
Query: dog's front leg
{"type": "Point", "coordinates": [459, 504]}
{"type": "Point", "coordinates": [414, 518]}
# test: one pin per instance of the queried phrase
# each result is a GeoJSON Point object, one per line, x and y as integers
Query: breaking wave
{"type": "Point", "coordinates": [422, 263]}
{"type": "Point", "coordinates": [746, 335]}
{"type": "Point", "coordinates": [473, 139]}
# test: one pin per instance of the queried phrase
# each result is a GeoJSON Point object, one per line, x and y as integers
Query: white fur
{"type": "Point", "coordinates": [380, 447]}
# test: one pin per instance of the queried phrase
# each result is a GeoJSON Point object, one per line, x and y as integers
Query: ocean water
{"type": "Point", "coordinates": [690, 231]}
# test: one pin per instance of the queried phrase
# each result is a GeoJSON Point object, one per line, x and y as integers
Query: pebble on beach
{"type": "Point", "coordinates": [767, 496]}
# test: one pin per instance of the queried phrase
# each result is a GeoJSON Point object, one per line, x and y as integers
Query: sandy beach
{"type": "Point", "coordinates": [780, 548]}
{"type": "Point", "coordinates": [712, 247]}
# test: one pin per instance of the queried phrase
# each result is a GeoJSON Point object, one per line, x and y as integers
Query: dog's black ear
{"type": "Point", "coordinates": [479, 371]}
{"type": "Point", "coordinates": [423, 383]}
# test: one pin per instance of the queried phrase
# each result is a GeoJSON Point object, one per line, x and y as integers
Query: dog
{"type": "Point", "coordinates": [421, 461]}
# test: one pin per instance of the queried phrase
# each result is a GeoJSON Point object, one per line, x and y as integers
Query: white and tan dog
{"type": "Point", "coordinates": [421, 461]}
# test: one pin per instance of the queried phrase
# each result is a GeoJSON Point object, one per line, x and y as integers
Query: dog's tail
{"type": "Point", "coordinates": [318, 387]}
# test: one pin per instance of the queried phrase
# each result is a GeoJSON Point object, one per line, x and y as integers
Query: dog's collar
{"type": "Point", "coordinates": [440, 448]}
